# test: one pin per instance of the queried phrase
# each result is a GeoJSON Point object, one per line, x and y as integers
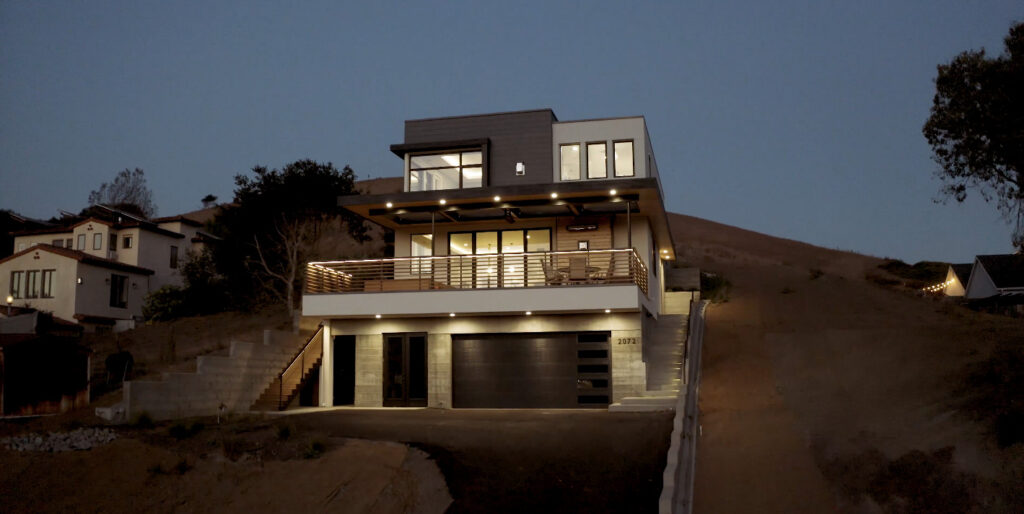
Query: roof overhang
{"type": "Point", "coordinates": [511, 203]}
{"type": "Point", "coordinates": [459, 144]}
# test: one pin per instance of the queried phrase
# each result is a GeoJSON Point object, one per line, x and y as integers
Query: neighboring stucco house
{"type": "Point", "coordinates": [528, 269]}
{"type": "Point", "coordinates": [98, 271]}
{"type": "Point", "coordinates": [997, 277]}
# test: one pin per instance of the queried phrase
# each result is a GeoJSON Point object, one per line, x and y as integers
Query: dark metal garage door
{"type": "Point", "coordinates": [528, 370]}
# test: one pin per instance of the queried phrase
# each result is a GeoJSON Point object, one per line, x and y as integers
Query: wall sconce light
{"type": "Point", "coordinates": [78, 281]}
{"type": "Point", "coordinates": [520, 169]}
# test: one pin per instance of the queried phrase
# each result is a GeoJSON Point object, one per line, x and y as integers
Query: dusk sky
{"type": "Point", "coordinates": [796, 119]}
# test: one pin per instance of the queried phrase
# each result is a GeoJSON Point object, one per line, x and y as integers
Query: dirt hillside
{"type": "Point", "coordinates": [827, 392]}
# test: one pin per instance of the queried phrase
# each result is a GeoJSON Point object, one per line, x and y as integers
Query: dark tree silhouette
{"type": "Point", "coordinates": [275, 224]}
{"type": "Point", "coordinates": [976, 128]}
{"type": "Point", "coordinates": [128, 192]}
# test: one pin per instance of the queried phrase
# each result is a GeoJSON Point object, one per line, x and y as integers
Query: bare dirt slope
{"type": "Point", "coordinates": [826, 392]}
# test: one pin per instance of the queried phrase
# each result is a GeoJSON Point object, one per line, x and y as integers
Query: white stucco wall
{"type": "Point", "coordinates": [62, 304]}
{"type": "Point", "coordinates": [154, 252]}
{"type": "Point", "coordinates": [608, 130]}
{"type": "Point", "coordinates": [93, 294]}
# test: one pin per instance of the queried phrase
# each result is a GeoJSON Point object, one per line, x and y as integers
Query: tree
{"type": "Point", "coordinates": [976, 128]}
{"type": "Point", "coordinates": [209, 201]}
{"type": "Point", "coordinates": [275, 225]}
{"type": "Point", "coordinates": [128, 192]}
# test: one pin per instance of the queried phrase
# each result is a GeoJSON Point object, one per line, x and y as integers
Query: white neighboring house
{"type": "Point", "coordinates": [998, 277]}
{"type": "Point", "coordinates": [98, 272]}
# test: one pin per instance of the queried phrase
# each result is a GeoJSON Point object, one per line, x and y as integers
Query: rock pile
{"type": "Point", "coordinates": [79, 439]}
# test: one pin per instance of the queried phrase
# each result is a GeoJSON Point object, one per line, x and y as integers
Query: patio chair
{"type": "Point", "coordinates": [578, 269]}
{"type": "Point", "coordinates": [551, 276]}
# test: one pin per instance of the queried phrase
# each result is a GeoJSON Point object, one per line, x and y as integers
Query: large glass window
{"type": "Point", "coordinates": [97, 241]}
{"type": "Point", "coordinates": [597, 160]}
{"type": "Point", "coordinates": [16, 279]}
{"type": "Point", "coordinates": [81, 242]}
{"type": "Point", "coordinates": [494, 258]}
{"type": "Point", "coordinates": [118, 291]}
{"type": "Point", "coordinates": [570, 157]}
{"type": "Point", "coordinates": [32, 284]}
{"type": "Point", "coordinates": [47, 289]}
{"type": "Point", "coordinates": [623, 158]}
{"type": "Point", "coordinates": [421, 245]}
{"type": "Point", "coordinates": [454, 170]}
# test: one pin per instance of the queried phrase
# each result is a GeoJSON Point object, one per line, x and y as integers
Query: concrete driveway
{"type": "Point", "coordinates": [523, 460]}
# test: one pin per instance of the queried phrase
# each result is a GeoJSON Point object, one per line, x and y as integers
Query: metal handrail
{"type": "Point", "coordinates": [317, 337]}
{"type": "Point", "coordinates": [478, 271]}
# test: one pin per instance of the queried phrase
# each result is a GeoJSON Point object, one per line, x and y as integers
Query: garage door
{"type": "Point", "coordinates": [552, 370]}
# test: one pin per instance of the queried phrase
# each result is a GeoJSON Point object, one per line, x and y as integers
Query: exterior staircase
{"type": "Point", "coordinates": [664, 352]}
{"type": "Point", "coordinates": [286, 385]}
{"type": "Point", "coordinates": [221, 383]}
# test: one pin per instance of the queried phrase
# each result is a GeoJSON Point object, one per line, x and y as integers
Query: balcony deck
{"type": "Point", "coordinates": [509, 282]}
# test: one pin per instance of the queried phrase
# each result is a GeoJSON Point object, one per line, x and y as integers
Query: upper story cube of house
{"type": "Point", "coordinates": [522, 148]}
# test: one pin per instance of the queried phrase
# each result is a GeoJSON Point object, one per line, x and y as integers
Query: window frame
{"type": "Point", "coordinates": [80, 242]}
{"type": "Point", "coordinates": [97, 241]}
{"type": "Point", "coordinates": [112, 242]}
{"type": "Point", "coordinates": [126, 241]}
{"type": "Point", "coordinates": [579, 162]}
{"type": "Point", "coordinates": [15, 288]}
{"type": "Point", "coordinates": [57, 243]}
{"type": "Point", "coordinates": [461, 167]}
{"type": "Point", "coordinates": [32, 283]}
{"type": "Point", "coordinates": [46, 283]}
{"type": "Point", "coordinates": [632, 158]}
{"type": "Point", "coordinates": [120, 299]}
{"type": "Point", "coordinates": [174, 257]}
{"type": "Point", "coordinates": [605, 145]}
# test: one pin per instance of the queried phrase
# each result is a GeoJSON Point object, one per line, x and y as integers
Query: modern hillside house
{"type": "Point", "coordinates": [97, 271]}
{"type": "Point", "coordinates": [529, 269]}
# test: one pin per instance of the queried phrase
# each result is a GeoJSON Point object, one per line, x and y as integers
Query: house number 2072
{"type": "Point", "coordinates": [627, 340]}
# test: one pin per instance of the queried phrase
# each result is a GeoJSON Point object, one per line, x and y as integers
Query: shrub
{"type": "Point", "coordinates": [165, 304]}
{"type": "Point", "coordinates": [284, 432]}
{"type": "Point", "coordinates": [143, 420]}
{"type": "Point", "coordinates": [315, 449]}
{"type": "Point", "coordinates": [181, 431]}
{"type": "Point", "coordinates": [714, 287]}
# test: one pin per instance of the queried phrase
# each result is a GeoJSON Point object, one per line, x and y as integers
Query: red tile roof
{"type": "Point", "coordinates": [82, 257]}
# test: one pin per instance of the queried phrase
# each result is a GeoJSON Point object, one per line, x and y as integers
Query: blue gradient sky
{"type": "Point", "coordinates": [797, 119]}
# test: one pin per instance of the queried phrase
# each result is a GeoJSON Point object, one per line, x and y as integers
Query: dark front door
{"type": "Point", "coordinates": [344, 370]}
{"type": "Point", "coordinates": [405, 370]}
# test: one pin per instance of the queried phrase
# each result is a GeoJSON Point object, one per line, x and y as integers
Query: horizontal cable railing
{"type": "Point", "coordinates": [479, 271]}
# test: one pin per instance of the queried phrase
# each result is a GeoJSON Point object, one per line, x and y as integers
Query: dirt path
{"type": "Point", "coordinates": [752, 456]}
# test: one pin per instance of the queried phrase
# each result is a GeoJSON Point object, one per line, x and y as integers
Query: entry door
{"type": "Point", "coordinates": [344, 369]}
{"type": "Point", "coordinates": [405, 370]}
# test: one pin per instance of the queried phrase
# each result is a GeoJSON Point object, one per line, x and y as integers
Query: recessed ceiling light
{"type": "Point", "coordinates": [554, 195]}
{"type": "Point", "coordinates": [451, 314]}
{"type": "Point", "coordinates": [606, 311]}
{"type": "Point", "coordinates": [528, 313]}
{"type": "Point", "coordinates": [497, 198]}
{"type": "Point", "coordinates": [612, 192]}
{"type": "Point", "coordinates": [664, 251]}
{"type": "Point", "coordinates": [389, 205]}
{"type": "Point", "coordinates": [443, 201]}
{"type": "Point", "coordinates": [376, 316]}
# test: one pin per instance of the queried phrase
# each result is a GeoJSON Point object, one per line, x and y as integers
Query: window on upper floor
{"type": "Point", "coordinates": [597, 160]}
{"type": "Point", "coordinates": [112, 245]}
{"type": "Point", "coordinates": [67, 243]}
{"type": "Point", "coordinates": [623, 158]}
{"type": "Point", "coordinates": [449, 170]}
{"type": "Point", "coordinates": [126, 242]}
{"type": "Point", "coordinates": [97, 241]}
{"type": "Point", "coordinates": [81, 242]}
{"type": "Point", "coordinates": [59, 243]}
{"type": "Point", "coordinates": [174, 257]}
{"type": "Point", "coordinates": [570, 161]}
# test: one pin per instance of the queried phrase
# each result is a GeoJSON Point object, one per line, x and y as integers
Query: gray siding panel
{"type": "Point", "coordinates": [515, 137]}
